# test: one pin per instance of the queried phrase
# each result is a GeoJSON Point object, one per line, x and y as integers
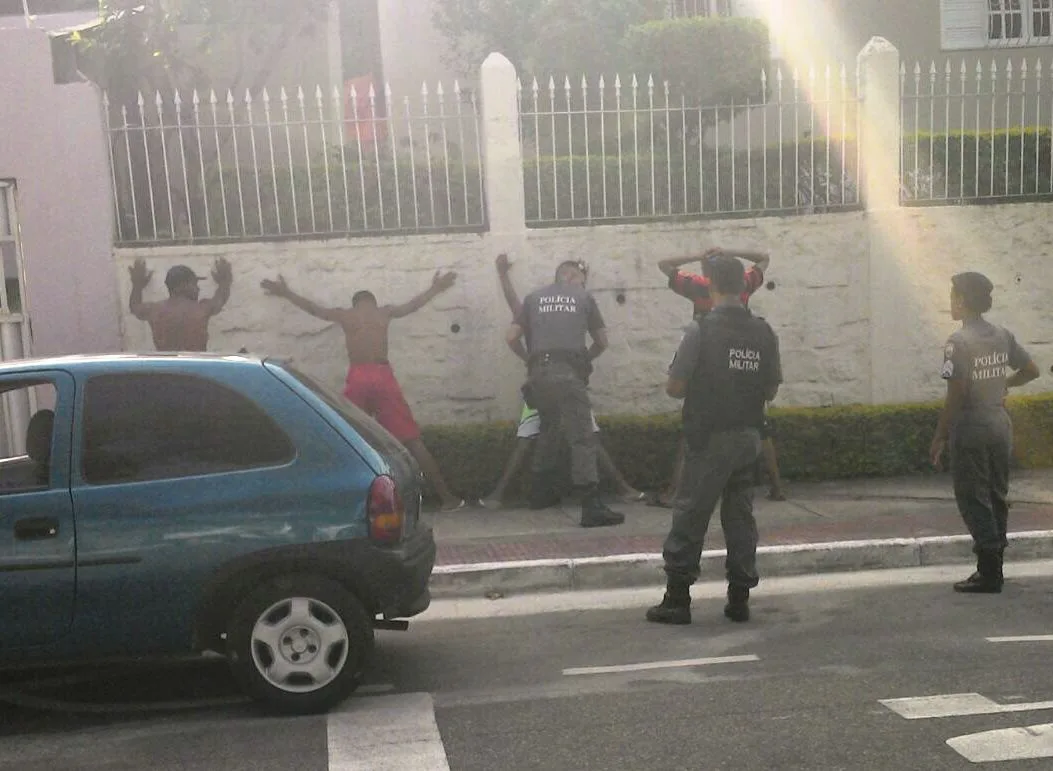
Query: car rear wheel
{"type": "Point", "coordinates": [299, 643]}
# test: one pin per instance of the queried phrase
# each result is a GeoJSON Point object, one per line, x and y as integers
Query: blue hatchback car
{"type": "Point", "coordinates": [172, 504]}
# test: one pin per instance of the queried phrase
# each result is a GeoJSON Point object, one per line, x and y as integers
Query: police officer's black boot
{"type": "Point", "coordinates": [675, 607]}
{"type": "Point", "coordinates": [594, 512]}
{"type": "Point", "coordinates": [988, 576]}
{"type": "Point", "coordinates": [738, 606]}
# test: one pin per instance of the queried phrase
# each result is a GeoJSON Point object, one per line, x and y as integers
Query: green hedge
{"type": "Point", "coordinates": [813, 443]}
{"type": "Point", "coordinates": [978, 164]}
{"type": "Point", "coordinates": [788, 177]}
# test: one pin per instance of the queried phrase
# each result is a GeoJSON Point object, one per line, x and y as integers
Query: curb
{"type": "Point", "coordinates": [626, 571]}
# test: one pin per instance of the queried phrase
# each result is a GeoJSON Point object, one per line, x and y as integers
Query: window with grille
{"type": "Point", "coordinates": [1005, 20]}
{"type": "Point", "coordinates": [1041, 18]}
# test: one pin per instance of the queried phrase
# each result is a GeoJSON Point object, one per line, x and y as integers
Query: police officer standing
{"type": "Point", "coordinates": [554, 321]}
{"type": "Point", "coordinates": [726, 369]}
{"type": "Point", "coordinates": [975, 423]}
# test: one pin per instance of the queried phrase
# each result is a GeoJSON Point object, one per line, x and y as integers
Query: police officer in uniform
{"type": "Point", "coordinates": [976, 425]}
{"type": "Point", "coordinates": [726, 369]}
{"type": "Point", "coordinates": [554, 321]}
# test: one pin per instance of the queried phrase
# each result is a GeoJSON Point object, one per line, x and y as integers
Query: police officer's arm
{"type": "Point", "coordinates": [685, 362]}
{"type": "Point", "coordinates": [509, 291]}
{"type": "Point", "coordinates": [597, 330]}
{"type": "Point", "coordinates": [956, 373]}
{"type": "Point", "coordinates": [439, 284]}
{"type": "Point", "coordinates": [773, 370]}
{"type": "Point", "coordinates": [1021, 361]}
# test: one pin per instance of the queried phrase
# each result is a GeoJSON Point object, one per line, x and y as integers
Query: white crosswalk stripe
{"type": "Point", "coordinates": [386, 733]}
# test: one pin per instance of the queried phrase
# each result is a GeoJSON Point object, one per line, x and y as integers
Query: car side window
{"type": "Point", "coordinates": [27, 432]}
{"type": "Point", "coordinates": [142, 427]}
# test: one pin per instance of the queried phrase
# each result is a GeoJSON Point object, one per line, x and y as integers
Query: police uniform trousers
{"type": "Point", "coordinates": [980, 466]}
{"type": "Point", "coordinates": [722, 470]}
{"type": "Point", "coordinates": [562, 400]}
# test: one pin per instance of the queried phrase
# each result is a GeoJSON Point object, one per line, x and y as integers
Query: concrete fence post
{"type": "Point", "coordinates": [502, 152]}
{"type": "Point", "coordinates": [505, 212]}
{"type": "Point", "coordinates": [888, 278]}
{"type": "Point", "coordinates": [879, 83]}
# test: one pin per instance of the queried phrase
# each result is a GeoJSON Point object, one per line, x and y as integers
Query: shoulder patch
{"type": "Point", "coordinates": [949, 350]}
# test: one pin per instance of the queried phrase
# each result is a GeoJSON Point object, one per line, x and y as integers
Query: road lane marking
{"type": "Point", "coordinates": [658, 665]}
{"type": "Point", "coordinates": [386, 733]}
{"type": "Point", "coordinates": [956, 705]}
{"type": "Point", "coordinates": [1022, 638]}
{"type": "Point", "coordinates": [1005, 744]}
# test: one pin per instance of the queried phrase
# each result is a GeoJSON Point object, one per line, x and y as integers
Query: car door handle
{"type": "Point", "coordinates": [36, 529]}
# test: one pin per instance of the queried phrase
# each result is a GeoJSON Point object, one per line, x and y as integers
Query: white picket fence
{"type": "Point", "coordinates": [305, 163]}
{"type": "Point", "coordinates": [976, 130]}
{"type": "Point", "coordinates": [631, 148]}
{"type": "Point", "coordinates": [296, 163]}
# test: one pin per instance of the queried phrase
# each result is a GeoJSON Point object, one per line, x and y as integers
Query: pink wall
{"type": "Point", "coordinates": [52, 143]}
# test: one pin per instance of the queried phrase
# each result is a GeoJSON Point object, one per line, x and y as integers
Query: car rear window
{"type": "Point", "coordinates": [372, 432]}
{"type": "Point", "coordinates": [148, 426]}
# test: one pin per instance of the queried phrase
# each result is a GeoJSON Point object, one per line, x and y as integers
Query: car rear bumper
{"type": "Point", "coordinates": [398, 584]}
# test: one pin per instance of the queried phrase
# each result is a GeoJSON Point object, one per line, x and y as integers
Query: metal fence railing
{"type": "Point", "coordinates": [633, 148]}
{"type": "Point", "coordinates": [976, 131]}
{"type": "Point", "coordinates": [294, 163]}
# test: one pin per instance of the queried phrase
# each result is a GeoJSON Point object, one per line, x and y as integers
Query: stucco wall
{"type": "Point", "coordinates": [860, 302]}
{"type": "Point", "coordinates": [54, 148]}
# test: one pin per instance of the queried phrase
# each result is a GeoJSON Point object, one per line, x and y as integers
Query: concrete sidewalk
{"type": "Point", "coordinates": [831, 526]}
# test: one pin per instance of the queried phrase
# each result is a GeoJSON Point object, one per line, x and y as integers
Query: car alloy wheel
{"type": "Point", "coordinates": [299, 645]}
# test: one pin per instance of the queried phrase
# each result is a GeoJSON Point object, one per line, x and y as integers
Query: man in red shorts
{"type": "Point", "coordinates": [371, 383]}
{"type": "Point", "coordinates": [695, 287]}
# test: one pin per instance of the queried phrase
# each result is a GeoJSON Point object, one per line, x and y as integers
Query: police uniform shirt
{"type": "Point", "coordinates": [557, 318]}
{"type": "Point", "coordinates": [730, 360]}
{"type": "Point", "coordinates": [982, 355]}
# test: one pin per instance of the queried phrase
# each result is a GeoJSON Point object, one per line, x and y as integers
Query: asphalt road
{"type": "Point", "coordinates": [829, 675]}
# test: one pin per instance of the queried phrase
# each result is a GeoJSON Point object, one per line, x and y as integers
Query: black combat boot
{"type": "Point", "coordinates": [988, 576]}
{"type": "Point", "coordinates": [543, 493]}
{"type": "Point", "coordinates": [594, 512]}
{"type": "Point", "coordinates": [738, 607]}
{"type": "Point", "coordinates": [675, 607]}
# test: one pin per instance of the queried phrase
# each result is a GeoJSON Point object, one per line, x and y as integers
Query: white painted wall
{"type": "Point", "coordinates": [54, 148]}
{"type": "Point", "coordinates": [860, 302]}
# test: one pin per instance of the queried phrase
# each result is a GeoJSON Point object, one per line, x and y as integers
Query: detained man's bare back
{"type": "Point", "coordinates": [371, 383]}
{"type": "Point", "coordinates": [179, 323]}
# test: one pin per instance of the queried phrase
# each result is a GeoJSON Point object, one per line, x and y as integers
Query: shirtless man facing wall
{"type": "Point", "coordinates": [180, 323]}
{"type": "Point", "coordinates": [371, 385]}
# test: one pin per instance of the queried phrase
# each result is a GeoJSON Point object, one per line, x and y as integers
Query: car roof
{"type": "Point", "coordinates": [129, 362]}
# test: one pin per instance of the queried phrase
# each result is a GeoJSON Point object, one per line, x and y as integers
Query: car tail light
{"type": "Point", "coordinates": [386, 512]}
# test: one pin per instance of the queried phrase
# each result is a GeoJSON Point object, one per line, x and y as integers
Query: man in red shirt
{"type": "Point", "coordinates": [695, 287]}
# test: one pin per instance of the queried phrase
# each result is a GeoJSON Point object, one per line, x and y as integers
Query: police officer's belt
{"type": "Point", "coordinates": [578, 360]}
